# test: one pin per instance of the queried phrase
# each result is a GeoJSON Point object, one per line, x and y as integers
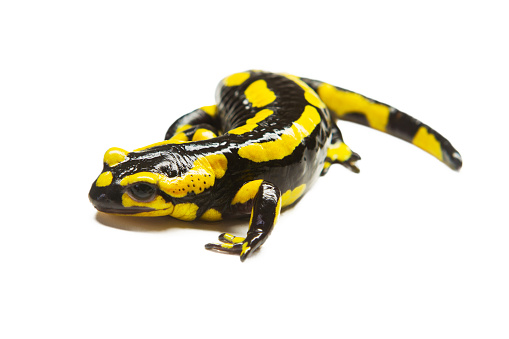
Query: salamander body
{"type": "Point", "coordinates": [258, 150]}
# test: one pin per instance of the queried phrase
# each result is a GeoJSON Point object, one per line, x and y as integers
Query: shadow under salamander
{"type": "Point", "coordinates": [164, 223]}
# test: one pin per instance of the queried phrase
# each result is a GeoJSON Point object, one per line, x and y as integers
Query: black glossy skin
{"type": "Point", "coordinates": [303, 166]}
{"type": "Point", "coordinates": [306, 162]}
{"type": "Point", "coordinates": [175, 159]}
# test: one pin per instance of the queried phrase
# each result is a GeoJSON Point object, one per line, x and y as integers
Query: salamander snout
{"type": "Point", "coordinates": [104, 199]}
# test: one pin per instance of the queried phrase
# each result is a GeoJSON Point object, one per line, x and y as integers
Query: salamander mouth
{"type": "Point", "coordinates": [129, 211]}
{"type": "Point", "coordinates": [106, 204]}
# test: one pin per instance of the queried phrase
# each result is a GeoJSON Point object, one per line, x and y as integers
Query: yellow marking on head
{"type": "Point", "coordinates": [114, 156]}
{"type": "Point", "coordinates": [203, 134]}
{"type": "Point", "coordinates": [185, 211]}
{"type": "Point", "coordinates": [247, 192]}
{"type": "Point", "coordinates": [339, 151]}
{"type": "Point", "coordinates": [258, 94]}
{"type": "Point", "coordinates": [218, 163]}
{"type": "Point", "coordinates": [155, 213]}
{"type": "Point", "coordinates": [200, 177]}
{"type": "Point", "coordinates": [290, 196]}
{"type": "Point", "coordinates": [211, 215]}
{"type": "Point", "coordinates": [287, 142]}
{"type": "Point", "coordinates": [104, 179]}
{"type": "Point", "coordinates": [210, 110]}
{"type": "Point", "coordinates": [309, 94]}
{"type": "Point", "coordinates": [147, 177]}
{"type": "Point", "coordinates": [160, 206]}
{"type": "Point", "coordinates": [158, 203]}
{"type": "Point", "coordinates": [342, 102]}
{"type": "Point", "coordinates": [427, 142]}
{"type": "Point", "coordinates": [252, 123]}
{"type": "Point", "coordinates": [195, 180]}
{"type": "Point", "coordinates": [326, 165]}
{"type": "Point", "coordinates": [236, 79]}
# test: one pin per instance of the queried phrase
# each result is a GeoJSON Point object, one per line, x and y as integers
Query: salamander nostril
{"type": "Point", "coordinates": [103, 198]}
{"type": "Point", "coordinates": [99, 198]}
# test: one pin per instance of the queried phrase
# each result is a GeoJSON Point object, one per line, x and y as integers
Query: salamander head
{"type": "Point", "coordinates": [152, 182]}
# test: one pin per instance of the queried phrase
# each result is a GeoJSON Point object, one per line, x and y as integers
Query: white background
{"type": "Point", "coordinates": [405, 249]}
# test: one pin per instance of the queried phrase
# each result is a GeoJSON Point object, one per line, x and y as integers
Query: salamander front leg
{"type": "Point", "coordinates": [195, 133]}
{"type": "Point", "coordinates": [200, 124]}
{"type": "Point", "coordinates": [339, 153]}
{"type": "Point", "coordinates": [264, 214]}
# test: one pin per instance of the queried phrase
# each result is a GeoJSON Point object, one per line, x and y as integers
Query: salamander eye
{"type": "Point", "coordinates": [142, 192]}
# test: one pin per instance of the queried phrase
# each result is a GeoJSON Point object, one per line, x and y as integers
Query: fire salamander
{"type": "Point", "coordinates": [258, 150]}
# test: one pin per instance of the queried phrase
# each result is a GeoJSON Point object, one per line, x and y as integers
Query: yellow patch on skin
{"type": "Point", "coordinates": [236, 79]}
{"type": "Point", "coordinates": [195, 180]}
{"type": "Point", "coordinates": [185, 211]}
{"type": "Point", "coordinates": [313, 99]}
{"type": "Point", "coordinates": [218, 163]}
{"type": "Point", "coordinates": [284, 146]}
{"type": "Point", "coordinates": [251, 219]}
{"type": "Point", "coordinates": [342, 102]}
{"type": "Point", "coordinates": [177, 138]}
{"type": "Point", "coordinates": [290, 196]}
{"type": "Point", "coordinates": [252, 123]}
{"type": "Point", "coordinates": [427, 142]}
{"type": "Point", "coordinates": [203, 134]}
{"type": "Point", "coordinates": [104, 179]}
{"type": "Point", "coordinates": [210, 110]}
{"type": "Point", "coordinates": [245, 247]}
{"type": "Point", "coordinates": [200, 177]}
{"type": "Point", "coordinates": [155, 213]}
{"type": "Point", "coordinates": [158, 203]}
{"type": "Point", "coordinates": [309, 94]}
{"type": "Point", "coordinates": [147, 177]}
{"type": "Point", "coordinates": [114, 156]}
{"type": "Point", "coordinates": [233, 239]}
{"type": "Point", "coordinates": [182, 128]}
{"type": "Point", "coordinates": [247, 192]}
{"type": "Point", "coordinates": [339, 151]}
{"type": "Point", "coordinates": [258, 94]}
{"type": "Point", "coordinates": [211, 215]}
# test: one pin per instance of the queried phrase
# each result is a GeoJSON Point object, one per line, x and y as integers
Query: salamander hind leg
{"type": "Point", "coordinates": [339, 153]}
{"type": "Point", "coordinates": [266, 201]}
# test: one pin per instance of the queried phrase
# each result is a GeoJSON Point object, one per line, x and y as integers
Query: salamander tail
{"type": "Point", "coordinates": [354, 107]}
